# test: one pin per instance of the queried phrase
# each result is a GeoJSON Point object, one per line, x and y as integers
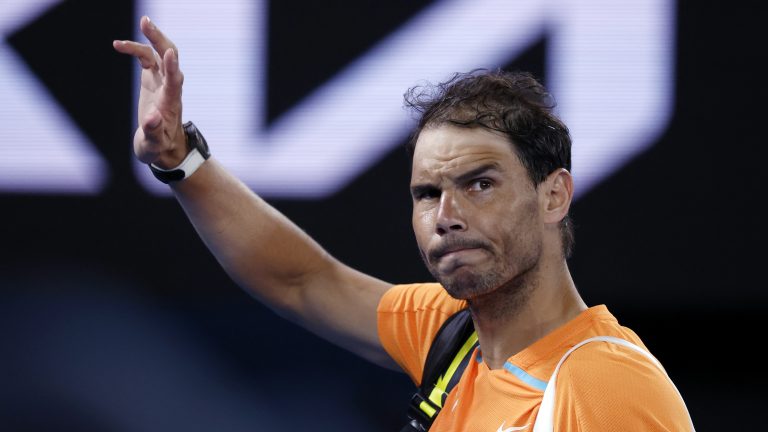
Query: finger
{"type": "Point", "coordinates": [144, 53]}
{"type": "Point", "coordinates": [174, 76]}
{"type": "Point", "coordinates": [156, 37]}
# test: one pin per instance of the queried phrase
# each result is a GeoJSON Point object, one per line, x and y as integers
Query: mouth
{"type": "Point", "coordinates": [454, 249]}
{"type": "Point", "coordinates": [455, 252]}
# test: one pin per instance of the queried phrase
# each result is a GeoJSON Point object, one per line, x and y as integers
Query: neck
{"type": "Point", "coordinates": [525, 309]}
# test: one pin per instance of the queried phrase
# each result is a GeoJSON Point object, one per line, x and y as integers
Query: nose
{"type": "Point", "coordinates": [449, 215]}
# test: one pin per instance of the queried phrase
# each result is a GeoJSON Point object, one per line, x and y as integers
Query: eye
{"type": "Point", "coordinates": [480, 185]}
{"type": "Point", "coordinates": [426, 193]}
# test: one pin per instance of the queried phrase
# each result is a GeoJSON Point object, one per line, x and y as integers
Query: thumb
{"type": "Point", "coordinates": [151, 125]}
{"type": "Point", "coordinates": [142, 148]}
{"type": "Point", "coordinates": [151, 121]}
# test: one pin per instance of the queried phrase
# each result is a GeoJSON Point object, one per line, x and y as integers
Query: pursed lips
{"type": "Point", "coordinates": [450, 259]}
{"type": "Point", "coordinates": [441, 252]}
{"type": "Point", "coordinates": [454, 251]}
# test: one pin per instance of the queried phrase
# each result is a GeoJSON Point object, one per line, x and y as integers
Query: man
{"type": "Point", "coordinates": [491, 193]}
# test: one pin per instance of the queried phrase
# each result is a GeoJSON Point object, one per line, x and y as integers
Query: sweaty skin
{"type": "Point", "coordinates": [489, 236]}
{"type": "Point", "coordinates": [486, 232]}
{"type": "Point", "coordinates": [264, 252]}
{"type": "Point", "coordinates": [476, 225]}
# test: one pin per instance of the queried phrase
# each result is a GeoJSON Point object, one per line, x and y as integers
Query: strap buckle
{"type": "Point", "coordinates": [419, 415]}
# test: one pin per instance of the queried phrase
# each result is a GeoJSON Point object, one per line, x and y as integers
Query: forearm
{"type": "Point", "coordinates": [259, 248]}
{"type": "Point", "coordinates": [269, 256]}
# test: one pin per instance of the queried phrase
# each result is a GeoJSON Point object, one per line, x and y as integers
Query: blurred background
{"type": "Point", "coordinates": [115, 317]}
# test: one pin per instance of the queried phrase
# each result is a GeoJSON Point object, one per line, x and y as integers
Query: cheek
{"type": "Point", "coordinates": [522, 232]}
{"type": "Point", "coordinates": [514, 225]}
{"type": "Point", "coordinates": [423, 223]}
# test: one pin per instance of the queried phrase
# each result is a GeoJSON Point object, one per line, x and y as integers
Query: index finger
{"type": "Point", "coordinates": [159, 41]}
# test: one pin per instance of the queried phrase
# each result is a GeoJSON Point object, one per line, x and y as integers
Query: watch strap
{"type": "Point", "coordinates": [186, 168]}
{"type": "Point", "coordinates": [198, 154]}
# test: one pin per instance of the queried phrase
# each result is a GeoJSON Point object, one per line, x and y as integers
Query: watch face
{"type": "Point", "coordinates": [204, 147]}
{"type": "Point", "coordinates": [196, 139]}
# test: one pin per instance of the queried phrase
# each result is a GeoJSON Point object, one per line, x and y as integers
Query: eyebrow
{"type": "Point", "coordinates": [419, 189]}
{"type": "Point", "coordinates": [469, 175]}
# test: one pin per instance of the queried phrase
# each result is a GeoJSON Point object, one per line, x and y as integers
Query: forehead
{"type": "Point", "coordinates": [446, 149]}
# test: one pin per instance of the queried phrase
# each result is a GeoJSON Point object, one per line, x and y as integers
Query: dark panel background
{"type": "Point", "coordinates": [113, 315]}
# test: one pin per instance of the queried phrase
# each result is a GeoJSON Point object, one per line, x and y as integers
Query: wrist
{"type": "Point", "coordinates": [173, 158]}
{"type": "Point", "coordinates": [179, 165]}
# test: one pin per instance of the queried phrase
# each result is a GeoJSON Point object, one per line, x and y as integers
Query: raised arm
{"type": "Point", "coordinates": [259, 248]}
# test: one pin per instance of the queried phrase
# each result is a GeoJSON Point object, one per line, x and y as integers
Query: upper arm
{"type": "Point", "coordinates": [409, 317]}
{"type": "Point", "coordinates": [340, 304]}
{"type": "Point", "coordinates": [611, 388]}
{"type": "Point", "coordinates": [282, 266]}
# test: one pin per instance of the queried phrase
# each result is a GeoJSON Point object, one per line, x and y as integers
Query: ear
{"type": "Point", "coordinates": [556, 193]}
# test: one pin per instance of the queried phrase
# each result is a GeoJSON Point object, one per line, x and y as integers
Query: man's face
{"type": "Point", "coordinates": [475, 210]}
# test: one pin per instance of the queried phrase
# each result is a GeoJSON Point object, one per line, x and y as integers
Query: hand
{"type": "Point", "coordinates": [159, 138]}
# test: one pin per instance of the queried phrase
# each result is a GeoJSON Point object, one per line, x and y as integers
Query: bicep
{"type": "Point", "coordinates": [340, 304]}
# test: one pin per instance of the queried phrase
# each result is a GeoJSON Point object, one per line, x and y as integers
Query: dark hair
{"type": "Point", "coordinates": [512, 103]}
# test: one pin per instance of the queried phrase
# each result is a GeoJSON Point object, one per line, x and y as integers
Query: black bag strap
{"type": "Point", "coordinates": [448, 356]}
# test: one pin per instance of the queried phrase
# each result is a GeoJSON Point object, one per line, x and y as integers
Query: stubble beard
{"type": "Point", "coordinates": [499, 291]}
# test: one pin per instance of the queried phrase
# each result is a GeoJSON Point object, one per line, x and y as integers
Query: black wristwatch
{"type": "Point", "coordinates": [198, 154]}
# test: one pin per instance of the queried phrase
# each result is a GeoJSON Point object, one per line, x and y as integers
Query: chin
{"type": "Point", "coordinates": [465, 285]}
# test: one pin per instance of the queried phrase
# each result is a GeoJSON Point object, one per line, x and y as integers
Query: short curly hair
{"type": "Point", "coordinates": [512, 103]}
